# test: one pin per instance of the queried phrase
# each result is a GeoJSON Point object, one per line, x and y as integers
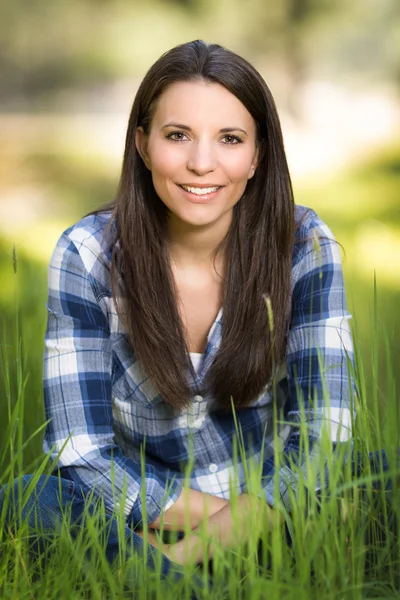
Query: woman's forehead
{"type": "Point", "coordinates": [198, 102]}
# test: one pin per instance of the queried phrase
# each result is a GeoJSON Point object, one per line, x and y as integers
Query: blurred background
{"type": "Point", "coordinates": [68, 75]}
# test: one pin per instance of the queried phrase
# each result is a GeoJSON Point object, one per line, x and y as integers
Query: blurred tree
{"type": "Point", "coordinates": [184, 3]}
{"type": "Point", "coordinates": [47, 46]}
{"type": "Point", "coordinates": [298, 20]}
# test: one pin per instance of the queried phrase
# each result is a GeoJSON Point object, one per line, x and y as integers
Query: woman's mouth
{"type": "Point", "coordinates": [200, 194]}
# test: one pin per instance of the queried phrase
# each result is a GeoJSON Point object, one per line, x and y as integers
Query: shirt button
{"type": "Point", "coordinates": [198, 398]}
{"type": "Point", "coordinates": [213, 468]}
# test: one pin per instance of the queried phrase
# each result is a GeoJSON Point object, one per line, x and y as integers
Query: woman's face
{"type": "Point", "coordinates": [201, 151]}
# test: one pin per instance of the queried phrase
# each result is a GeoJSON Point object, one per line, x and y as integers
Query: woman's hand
{"type": "Point", "coordinates": [190, 509]}
{"type": "Point", "coordinates": [152, 538]}
{"type": "Point", "coordinates": [177, 553]}
{"type": "Point", "coordinates": [174, 552]}
{"type": "Point", "coordinates": [229, 528]}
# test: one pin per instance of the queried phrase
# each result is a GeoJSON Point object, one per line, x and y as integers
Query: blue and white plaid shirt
{"type": "Point", "coordinates": [104, 409]}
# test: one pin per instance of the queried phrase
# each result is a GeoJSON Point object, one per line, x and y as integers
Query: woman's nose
{"type": "Point", "coordinates": [202, 158]}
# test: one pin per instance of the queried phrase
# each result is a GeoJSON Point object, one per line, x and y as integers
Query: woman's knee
{"type": "Point", "coordinates": [37, 501]}
{"type": "Point", "coordinates": [10, 494]}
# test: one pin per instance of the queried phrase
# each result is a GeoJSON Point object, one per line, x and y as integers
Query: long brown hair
{"type": "Point", "coordinates": [258, 246]}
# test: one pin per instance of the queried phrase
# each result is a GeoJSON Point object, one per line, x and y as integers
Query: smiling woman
{"type": "Point", "coordinates": [200, 299]}
{"type": "Point", "coordinates": [193, 160]}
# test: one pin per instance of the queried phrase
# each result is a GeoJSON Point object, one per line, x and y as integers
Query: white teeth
{"type": "Point", "coordinates": [200, 191]}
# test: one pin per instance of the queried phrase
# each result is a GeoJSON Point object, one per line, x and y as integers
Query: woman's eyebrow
{"type": "Point", "coordinates": [187, 128]}
{"type": "Point", "coordinates": [229, 129]}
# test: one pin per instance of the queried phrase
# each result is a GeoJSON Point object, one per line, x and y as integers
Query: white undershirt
{"type": "Point", "coordinates": [196, 358]}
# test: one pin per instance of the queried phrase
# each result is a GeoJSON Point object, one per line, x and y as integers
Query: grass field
{"type": "Point", "coordinates": [346, 547]}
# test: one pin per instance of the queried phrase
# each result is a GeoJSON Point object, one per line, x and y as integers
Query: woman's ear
{"type": "Point", "coordinates": [254, 164]}
{"type": "Point", "coordinates": [141, 146]}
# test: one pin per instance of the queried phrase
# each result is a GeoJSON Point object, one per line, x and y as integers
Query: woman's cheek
{"type": "Point", "coordinates": [167, 158]}
{"type": "Point", "coordinates": [237, 168]}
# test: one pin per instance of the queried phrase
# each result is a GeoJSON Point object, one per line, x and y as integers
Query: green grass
{"type": "Point", "coordinates": [343, 544]}
{"type": "Point", "coordinates": [27, 290]}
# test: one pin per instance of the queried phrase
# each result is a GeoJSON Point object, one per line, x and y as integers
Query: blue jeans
{"type": "Point", "coordinates": [54, 496]}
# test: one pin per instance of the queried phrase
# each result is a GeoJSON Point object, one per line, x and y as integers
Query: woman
{"type": "Point", "coordinates": [202, 296]}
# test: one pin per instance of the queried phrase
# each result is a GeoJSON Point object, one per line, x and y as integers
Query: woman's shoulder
{"type": "Point", "coordinates": [313, 234]}
{"type": "Point", "coordinates": [307, 221]}
{"type": "Point", "coordinates": [88, 242]}
{"type": "Point", "coordinates": [90, 229]}
{"type": "Point", "coordinates": [94, 232]}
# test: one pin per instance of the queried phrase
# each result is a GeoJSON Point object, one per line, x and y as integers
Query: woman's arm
{"type": "Point", "coordinates": [230, 527]}
{"type": "Point", "coordinates": [191, 508]}
{"type": "Point", "coordinates": [319, 352]}
{"type": "Point", "coordinates": [77, 387]}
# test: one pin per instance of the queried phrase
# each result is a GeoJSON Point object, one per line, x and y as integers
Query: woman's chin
{"type": "Point", "coordinates": [193, 224]}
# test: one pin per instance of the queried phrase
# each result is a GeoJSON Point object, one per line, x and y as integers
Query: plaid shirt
{"type": "Point", "coordinates": [104, 412]}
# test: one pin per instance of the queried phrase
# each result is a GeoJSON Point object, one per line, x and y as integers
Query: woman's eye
{"type": "Point", "coordinates": [176, 136]}
{"type": "Point", "coordinates": [232, 139]}
{"type": "Point", "coordinates": [180, 136]}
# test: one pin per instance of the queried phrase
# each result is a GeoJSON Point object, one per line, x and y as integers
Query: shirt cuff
{"type": "Point", "coordinates": [287, 480]}
{"type": "Point", "coordinates": [157, 501]}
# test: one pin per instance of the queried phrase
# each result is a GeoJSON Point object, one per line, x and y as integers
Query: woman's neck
{"type": "Point", "coordinates": [193, 245]}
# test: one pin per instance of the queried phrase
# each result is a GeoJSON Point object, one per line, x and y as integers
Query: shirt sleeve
{"type": "Point", "coordinates": [78, 393]}
{"type": "Point", "coordinates": [319, 361]}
